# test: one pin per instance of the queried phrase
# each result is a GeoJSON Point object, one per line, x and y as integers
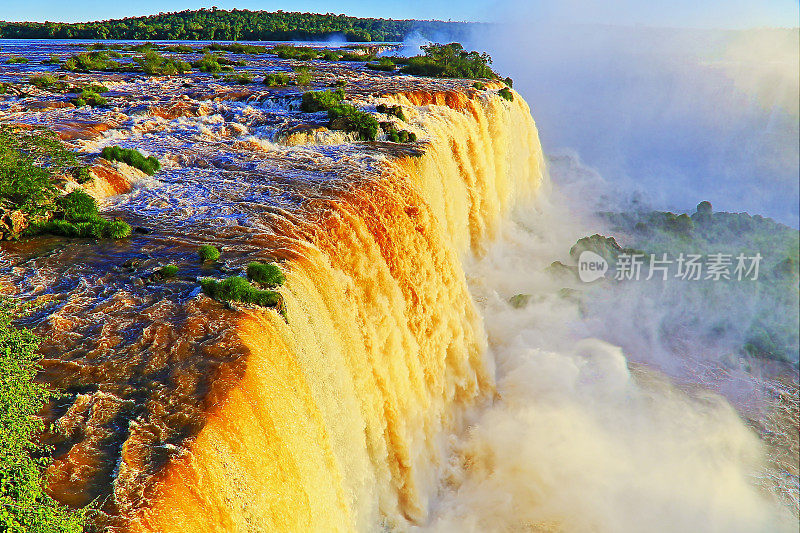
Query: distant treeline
{"type": "Point", "coordinates": [237, 25]}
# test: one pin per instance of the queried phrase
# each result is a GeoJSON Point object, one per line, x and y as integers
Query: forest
{"type": "Point", "coordinates": [236, 25]}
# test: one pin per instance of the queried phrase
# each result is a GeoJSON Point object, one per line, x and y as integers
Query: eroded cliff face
{"type": "Point", "coordinates": [186, 415]}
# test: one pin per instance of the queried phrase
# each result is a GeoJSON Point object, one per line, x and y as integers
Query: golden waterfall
{"type": "Point", "coordinates": [342, 417]}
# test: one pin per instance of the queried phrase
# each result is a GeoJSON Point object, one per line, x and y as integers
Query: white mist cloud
{"type": "Point", "coordinates": [575, 440]}
{"type": "Point", "coordinates": [678, 116]}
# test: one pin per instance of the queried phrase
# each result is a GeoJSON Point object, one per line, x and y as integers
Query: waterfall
{"type": "Point", "coordinates": [342, 418]}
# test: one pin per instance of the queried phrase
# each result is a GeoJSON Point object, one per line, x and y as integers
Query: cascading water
{"type": "Point", "coordinates": [341, 419]}
{"type": "Point", "coordinates": [403, 391]}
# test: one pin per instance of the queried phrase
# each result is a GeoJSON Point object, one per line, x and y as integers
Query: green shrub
{"type": "Point", "coordinates": [94, 61]}
{"type": "Point", "coordinates": [54, 60]}
{"type": "Point", "coordinates": [24, 503]}
{"type": "Point", "coordinates": [300, 53]}
{"type": "Point", "coordinates": [449, 61]}
{"type": "Point", "coordinates": [208, 253]}
{"type": "Point", "coordinates": [77, 205]}
{"type": "Point", "coordinates": [16, 59]}
{"type": "Point", "coordinates": [208, 63]}
{"type": "Point", "coordinates": [169, 271]}
{"type": "Point", "coordinates": [384, 64]}
{"type": "Point", "coordinates": [479, 85]}
{"type": "Point", "coordinates": [93, 227]}
{"type": "Point", "coordinates": [276, 80]}
{"type": "Point", "coordinates": [303, 75]}
{"type": "Point", "coordinates": [238, 48]}
{"type": "Point", "coordinates": [506, 93]}
{"type": "Point", "coordinates": [393, 110]}
{"type": "Point", "coordinates": [398, 136]}
{"type": "Point", "coordinates": [314, 101]}
{"type": "Point", "coordinates": [243, 78]}
{"type": "Point", "coordinates": [238, 289]}
{"type": "Point", "coordinates": [330, 55]}
{"type": "Point", "coordinates": [265, 273]}
{"type": "Point", "coordinates": [88, 97]}
{"type": "Point", "coordinates": [29, 163]}
{"type": "Point", "coordinates": [80, 174]}
{"type": "Point", "coordinates": [349, 118]}
{"type": "Point", "coordinates": [148, 165]}
{"type": "Point", "coordinates": [43, 81]}
{"type": "Point", "coordinates": [154, 63]}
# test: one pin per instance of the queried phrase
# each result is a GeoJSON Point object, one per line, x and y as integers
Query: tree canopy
{"type": "Point", "coordinates": [235, 25]}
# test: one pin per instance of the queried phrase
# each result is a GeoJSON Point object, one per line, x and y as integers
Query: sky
{"type": "Point", "coordinates": [676, 13]}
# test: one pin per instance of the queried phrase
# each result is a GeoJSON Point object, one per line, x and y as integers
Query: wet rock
{"type": "Point", "coordinates": [12, 223]}
{"type": "Point", "coordinates": [107, 180]}
{"type": "Point", "coordinates": [71, 130]}
{"type": "Point", "coordinates": [174, 110]}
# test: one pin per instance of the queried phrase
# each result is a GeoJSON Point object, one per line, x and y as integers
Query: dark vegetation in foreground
{"type": "Point", "coordinates": [214, 24]}
{"type": "Point", "coordinates": [24, 504]}
{"type": "Point", "coordinates": [34, 168]}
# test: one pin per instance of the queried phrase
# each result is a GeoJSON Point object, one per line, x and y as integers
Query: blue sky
{"type": "Point", "coordinates": [675, 13]}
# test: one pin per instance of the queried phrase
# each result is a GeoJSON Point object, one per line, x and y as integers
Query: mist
{"type": "Point", "coordinates": [670, 116]}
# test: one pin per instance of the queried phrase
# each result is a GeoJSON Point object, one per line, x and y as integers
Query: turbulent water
{"type": "Point", "coordinates": [403, 391]}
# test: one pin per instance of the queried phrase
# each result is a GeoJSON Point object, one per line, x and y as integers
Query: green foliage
{"type": "Point", "coordinates": [24, 504]}
{"type": "Point", "coordinates": [506, 93]}
{"type": "Point", "coordinates": [314, 101]}
{"type": "Point", "coordinates": [479, 85]}
{"type": "Point", "coordinates": [13, 60]}
{"type": "Point", "coordinates": [94, 61]}
{"type": "Point", "coordinates": [303, 75]}
{"type": "Point", "coordinates": [300, 53]}
{"type": "Point", "coordinates": [29, 163]}
{"type": "Point", "coordinates": [54, 60]}
{"type": "Point", "coordinates": [276, 80]}
{"type": "Point", "coordinates": [449, 61]}
{"type": "Point", "coordinates": [43, 81]}
{"type": "Point", "coordinates": [94, 227]}
{"type": "Point", "coordinates": [330, 55]}
{"type": "Point", "coordinates": [148, 165]}
{"type": "Point", "coordinates": [393, 110]}
{"type": "Point", "coordinates": [238, 48]}
{"type": "Point", "coordinates": [265, 273]}
{"type": "Point", "coordinates": [207, 253]}
{"type": "Point", "coordinates": [243, 78]}
{"type": "Point", "coordinates": [88, 97]}
{"type": "Point", "coordinates": [169, 271]}
{"type": "Point", "coordinates": [236, 25]}
{"type": "Point", "coordinates": [77, 206]}
{"type": "Point", "coordinates": [397, 136]}
{"type": "Point", "coordinates": [154, 63]}
{"type": "Point", "coordinates": [208, 63]}
{"type": "Point", "coordinates": [349, 118]}
{"type": "Point", "coordinates": [238, 289]}
{"type": "Point", "coordinates": [384, 64]}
